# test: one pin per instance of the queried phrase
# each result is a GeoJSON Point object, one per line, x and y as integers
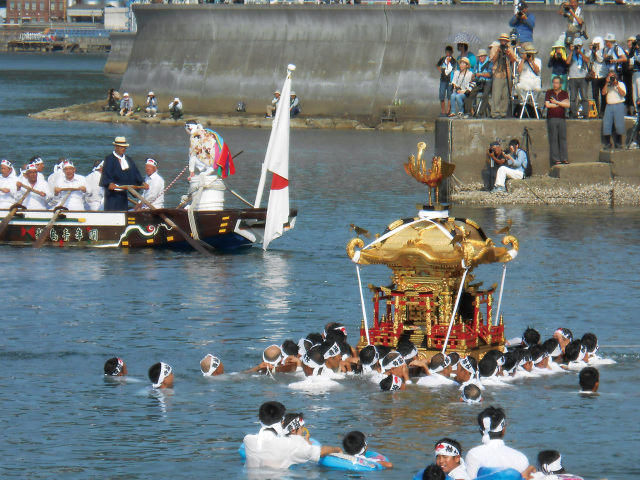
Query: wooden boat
{"type": "Point", "coordinates": [224, 229]}
{"type": "Point", "coordinates": [210, 225]}
{"type": "Point", "coordinates": [432, 300]}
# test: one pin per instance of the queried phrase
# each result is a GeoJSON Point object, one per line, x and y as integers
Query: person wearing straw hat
{"type": "Point", "coordinates": [294, 108]}
{"type": "Point", "coordinates": [118, 169]}
{"type": "Point", "coordinates": [152, 105]}
{"type": "Point", "coordinates": [482, 75]}
{"type": "Point", "coordinates": [271, 109]}
{"type": "Point", "coordinates": [461, 82]}
{"type": "Point", "coordinates": [502, 56]}
{"type": "Point", "coordinates": [529, 71]}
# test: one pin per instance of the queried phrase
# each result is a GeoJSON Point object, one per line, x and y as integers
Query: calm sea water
{"type": "Point", "coordinates": [64, 312]}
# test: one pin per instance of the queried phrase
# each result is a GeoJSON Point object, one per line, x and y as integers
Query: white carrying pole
{"type": "Point", "coordinates": [364, 310]}
{"type": "Point", "coordinates": [455, 308]}
{"type": "Point", "coordinates": [263, 177]}
{"type": "Point", "coordinates": [504, 274]}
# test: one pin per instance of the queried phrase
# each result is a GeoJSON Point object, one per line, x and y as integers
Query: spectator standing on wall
{"type": "Point", "coordinates": [614, 56]}
{"type": "Point", "coordinates": [502, 55]}
{"type": "Point", "coordinates": [446, 65]}
{"type": "Point", "coordinates": [596, 59]}
{"type": "Point", "coordinates": [634, 59]}
{"type": "Point", "coordinates": [578, 64]}
{"type": "Point", "coordinates": [482, 76]}
{"type": "Point", "coordinates": [559, 64]}
{"type": "Point", "coordinates": [615, 92]}
{"type": "Point", "coordinates": [524, 23]}
{"type": "Point", "coordinates": [529, 71]}
{"type": "Point", "coordinates": [575, 21]}
{"type": "Point", "coordinates": [627, 74]}
{"type": "Point", "coordinates": [556, 101]}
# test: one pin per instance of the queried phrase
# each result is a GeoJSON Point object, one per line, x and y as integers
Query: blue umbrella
{"type": "Point", "coordinates": [463, 37]}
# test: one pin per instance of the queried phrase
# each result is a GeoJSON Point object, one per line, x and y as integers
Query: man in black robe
{"type": "Point", "coordinates": [118, 169]}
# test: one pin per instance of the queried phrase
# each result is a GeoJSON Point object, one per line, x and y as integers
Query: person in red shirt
{"type": "Point", "coordinates": [556, 101]}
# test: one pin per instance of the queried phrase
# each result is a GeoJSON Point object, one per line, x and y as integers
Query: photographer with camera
{"type": "Point", "coordinates": [614, 91]}
{"type": "Point", "coordinates": [495, 158]}
{"type": "Point", "coordinates": [462, 86]}
{"type": "Point", "coordinates": [599, 74]}
{"type": "Point", "coordinates": [557, 101]}
{"type": "Point", "coordinates": [529, 74]}
{"type": "Point", "coordinates": [482, 76]}
{"type": "Point", "coordinates": [501, 55]}
{"type": "Point", "coordinates": [633, 72]}
{"type": "Point", "coordinates": [559, 63]}
{"type": "Point", "coordinates": [614, 55]}
{"type": "Point", "coordinates": [578, 67]}
{"type": "Point", "coordinates": [523, 22]}
{"type": "Point", "coordinates": [175, 109]}
{"type": "Point", "coordinates": [575, 21]}
{"type": "Point", "coordinates": [513, 166]}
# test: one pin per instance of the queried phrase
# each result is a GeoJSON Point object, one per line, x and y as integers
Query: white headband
{"type": "Point", "coordinates": [396, 383]}
{"type": "Point", "coordinates": [363, 449]}
{"type": "Point", "coordinates": [6, 163]}
{"type": "Point", "coordinates": [486, 423]}
{"type": "Point", "coordinates": [566, 336]}
{"type": "Point", "coordinates": [165, 371]}
{"type": "Point", "coordinates": [151, 161]}
{"type": "Point", "coordinates": [311, 364]}
{"type": "Point", "coordinates": [555, 466]}
{"type": "Point", "coordinates": [333, 351]}
{"type": "Point", "coordinates": [583, 351]}
{"type": "Point", "coordinates": [447, 362]}
{"type": "Point", "coordinates": [446, 449]}
{"type": "Point", "coordinates": [465, 399]}
{"type": "Point", "coordinates": [556, 351]}
{"type": "Point", "coordinates": [118, 368]}
{"type": "Point", "coordinates": [276, 426]}
{"type": "Point", "coordinates": [411, 354]}
{"type": "Point", "coordinates": [213, 366]}
{"type": "Point", "coordinates": [272, 362]}
{"type": "Point", "coordinates": [99, 166]}
{"type": "Point", "coordinates": [375, 358]}
{"type": "Point", "coordinates": [525, 359]}
{"type": "Point", "coordinates": [294, 424]}
{"type": "Point", "coordinates": [396, 362]}
{"type": "Point", "coordinates": [466, 364]}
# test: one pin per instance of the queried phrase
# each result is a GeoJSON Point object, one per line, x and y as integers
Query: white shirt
{"type": "Point", "coordinates": [460, 472]}
{"type": "Point", "coordinates": [472, 381]}
{"type": "Point", "coordinates": [494, 454]}
{"type": "Point", "coordinates": [33, 200]}
{"type": "Point", "coordinates": [76, 199]}
{"type": "Point", "coordinates": [155, 194]}
{"type": "Point", "coordinates": [8, 199]}
{"type": "Point", "coordinates": [95, 193]}
{"type": "Point", "coordinates": [528, 76]}
{"type": "Point", "coordinates": [435, 380]}
{"type": "Point", "coordinates": [267, 450]}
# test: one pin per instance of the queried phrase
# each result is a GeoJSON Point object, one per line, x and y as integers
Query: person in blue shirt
{"type": "Point", "coordinates": [463, 48]}
{"type": "Point", "coordinates": [524, 23]}
{"type": "Point", "coordinates": [482, 76]}
{"type": "Point", "coordinates": [515, 164]}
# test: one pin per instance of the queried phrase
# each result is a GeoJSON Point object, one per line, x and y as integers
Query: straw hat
{"type": "Point", "coordinates": [609, 37]}
{"type": "Point", "coordinates": [530, 49]}
{"type": "Point", "coordinates": [121, 142]}
{"type": "Point", "coordinates": [481, 52]}
{"type": "Point", "coordinates": [504, 36]}
{"type": "Point", "coordinates": [465, 60]}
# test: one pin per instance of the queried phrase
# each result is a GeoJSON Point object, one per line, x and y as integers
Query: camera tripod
{"type": "Point", "coordinates": [634, 131]}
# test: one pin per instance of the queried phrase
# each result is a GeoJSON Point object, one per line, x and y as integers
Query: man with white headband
{"type": "Point", "coordinates": [269, 449]}
{"type": "Point", "coordinates": [438, 371]}
{"type": "Point", "coordinates": [448, 457]}
{"type": "Point", "coordinates": [115, 367]}
{"type": "Point", "coordinates": [154, 191]}
{"type": "Point", "coordinates": [494, 453]}
{"type": "Point", "coordinates": [95, 193]}
{"type": "Point", "coordinates": [70, 184]}
{"type": "Point", "coordinates": [7, 184]}
{"type": "Point", "coordinates": [272, 358]}
{"type": "Point", "coordinates": [40, 197]}
{"type": "Point", "coordinates": [211, 366]}
{"type": "Point", "coordinates": [161, 375]}
{"type": "Point", "coordinates": [467, 373]}
{"type": "Point", "coordinates": [392, 383]}
{"type": "Point", "coordinates": [550, 462]}
{"type": "Point", "coordinates": [564, 336]}
{"type": "Point", "coordinates": [471, 394]}
{"type": "Point", "coordinates": [370, 359]}
{"type": "Point", "coordinates": [313, 362]}
{"type": "Point", "coordinates": [393, 363]}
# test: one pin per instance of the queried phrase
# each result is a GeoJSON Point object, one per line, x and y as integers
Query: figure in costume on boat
{"type": "Point", "coordinates": [118, 169]}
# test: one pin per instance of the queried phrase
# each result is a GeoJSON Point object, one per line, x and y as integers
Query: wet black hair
{"type": "Point", "coordinates": [154, 372]}
{"type": "Point", "coordinates": [496, 415]}
{"type": "Point", "coordinates": [551, 344]}
{"type": "Point", "coordinates": [572, 351]}
{"type": "Point", "coordinates": [450, 441]}
{"type": "Point", "coordinates": [271, 412]}
{"type": "Point", "coordinates": [472, 392]}
{"type": "Point", "coordinates": [433, 472]}
{"type": "Point", "coordinates": [315, 338]}
{"type": "Point", "coordinates": [438, 360]}
{"type": "Point", "coordinates": [530, 335]}
{"type": "Point", "coordinates": [588, 378]}
{"type": "Point", "coordinates": [353, 442]}
{"type": "Point", "coordinates": [495, 354]}
{"type": "Point", "coordinates": [383, 351]}
{"type": "Point", "coordinates": [386, 383]}
{"type": "Point", "coordinates": [590, 341]}
{"type": "Point", "coordinates": [367, 354]}
{"type": "Point", "coordinates": [289, 347]}
{"type": "Point", "coordinates": [455, 358]}
{"type": "Point", "coordinates": [546, 457]}
{"type": "Point", "coordinates": [111, 366]}
{"type": "Point", "coordinates": [524, 354]}
{"type": "Point", "coordinates": [510, 361]}
{"type": "Point", "coordinates": [537, 352]}
{"type": "Point", "coordinates": [345, 348]}
{"type": "Point", "coordinates": [487, 366]}
{"type": "Point", "coordinates": [405, 347]}
{"type": "Point", "coordinates": [316, 354]}
{"type": "Point", "coordinates": [333, 329]}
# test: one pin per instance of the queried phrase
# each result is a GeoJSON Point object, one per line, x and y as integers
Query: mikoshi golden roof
{"type": "Point", "coordinates": [433, 240]}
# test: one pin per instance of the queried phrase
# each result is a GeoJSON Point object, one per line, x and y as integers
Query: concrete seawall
{"type": "Point", "coordinates": [121, 46]}
{"type": "Point", "coordinates": [352, 61]}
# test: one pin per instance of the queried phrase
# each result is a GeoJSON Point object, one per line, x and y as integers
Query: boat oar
{"type": "Point", "coordinates": [12, 212]}
{"type": "Point", "coordinates": [45, 233]}
{"type": "Point", "coordinates": [195, 244]}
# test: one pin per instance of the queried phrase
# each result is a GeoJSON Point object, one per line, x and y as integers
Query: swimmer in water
{"type": "Point", "coordinates": [355, 443]}
{"type": "Point", "coordinates": [313, 362]}
{"type": "Point", "coordinates": [550, 463]}
{"type": "Point", "coordinates": [391, 383]}
{"type": "Point", "coordinates": [370, 359]}
{"type": "Point", "coordinates": [589, 379]}
{"type": "Point", "coordinates": [448, 457]}
{"type": "Point", "coordinates": [293, 424]}
{"type": "Point", "coordinates": [467, 373]}
{"type": "Point", "coordinates": [493, 453]}
{"type": "Point", "coordinates": [272, 357]}
{"type": "Point", "coordinates": [438, 371]}
{"type": "Point", "coordinates": [471, 393]}
{"type": "Point", "coordinates": [564, 336]}
{"type": "Point", "coordinates": [530, 337]}
{"type": "Point", "coordinates": [575, 356]}
{"type": "Point", "coordinates": [431, 472]}
{"type": "Point", "coordinates": [393, 363]}
{"type": "Point", "coordinates": [115, 367]}
{"type": "Point", "coordinates": [211, 366]}
{"type": "Point", "coordinates": [510, 367]}
{"type": "Point", "coordinates": [161, 375]}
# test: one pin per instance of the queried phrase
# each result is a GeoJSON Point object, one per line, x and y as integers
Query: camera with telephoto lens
{"type": "Point", "coordinates": [503, 47]}
{"type": "Point", "coordinates": [519, 13]}
{"type": "Point", "coordinates": [514, 38]}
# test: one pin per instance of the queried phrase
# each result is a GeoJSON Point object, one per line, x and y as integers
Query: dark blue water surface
{"type": "Point", "coordinates": [64, 312]}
